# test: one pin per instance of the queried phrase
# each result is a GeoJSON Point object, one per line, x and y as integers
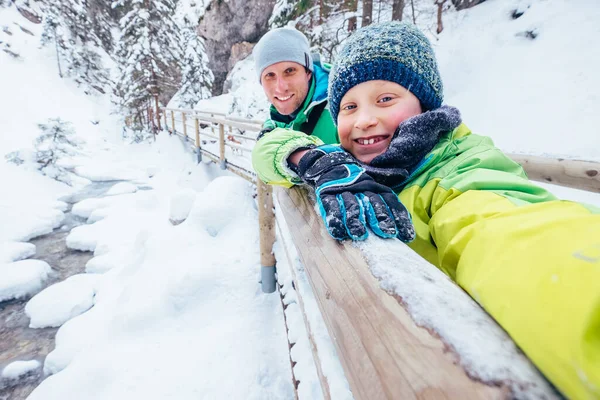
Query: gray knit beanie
{"type": "Point", "coordinates": [391, 51]}
{"type": "Point", "coordinates": [281, 44]}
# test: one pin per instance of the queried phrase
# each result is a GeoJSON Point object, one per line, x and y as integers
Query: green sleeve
{"type": "Point", "coordinates": [270, 154]}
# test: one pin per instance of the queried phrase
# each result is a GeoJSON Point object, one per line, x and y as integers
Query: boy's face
{"type": "Point", "coordinates": [370, 114]}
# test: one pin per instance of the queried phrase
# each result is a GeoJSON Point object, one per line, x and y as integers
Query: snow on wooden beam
{"type": "Point", "coordinates": [577, 174]}
{"type": "Point", "coordinates": [385, 355]}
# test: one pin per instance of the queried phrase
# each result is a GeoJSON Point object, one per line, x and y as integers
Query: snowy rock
{"type": "Point", "coordinates": [122, 188]}
{"type": "Point", "coordinates": [181, 205]}
{"type": "Point", "coordinates": [98, 215]}
{"type": "Point", "coordinates": [60, 205]}
{"type": "Point", "coordinates": [22, 278]}
{"type": "Point", "coordinates": [17, 369]}
{"type": "Point", "coordinates": [72, 337]}
{"type": "Point", "coordinates": [83, 238]}
{"type": "Point", "coordinates": [105, 262]}
{"type": "Point", "coordinates": [85, 207]}
{"type": "Point", "coordinates": [222, 202]}
{"type": "Point", "coordinates": [59, 303]}
{"type": "Point", "coordinates": [15, 251]}
{"type": "Point", "coordinates": [39, 223]}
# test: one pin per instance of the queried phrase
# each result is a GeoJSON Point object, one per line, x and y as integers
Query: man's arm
{"type": "Point", "coordinates": [295, 157]}
{"type": "Point", "coordinates": [274, 149]}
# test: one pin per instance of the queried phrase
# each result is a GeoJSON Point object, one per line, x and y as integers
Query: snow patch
{"type": "Point", "coordinates": [122, 188]}
{"type": "Point", "coordinates": [16, 369]}
{"type": "Point", "coordinates": [22, 278]}
{"type": "Point", "coordinates": [181, 205]}
{"type": "Point", "coordinates": [15, 251]}
{"type": "Point", "coordinates": [62, 301]}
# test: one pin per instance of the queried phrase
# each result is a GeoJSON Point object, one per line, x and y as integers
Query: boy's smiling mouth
{"type": "Point", "coordinates": [367, 141]}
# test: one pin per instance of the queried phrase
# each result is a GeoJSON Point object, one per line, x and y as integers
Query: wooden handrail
{"type": "Point", "coordinates": [576, 174]}
{"type": "Point", "coordinates": [385, 355]}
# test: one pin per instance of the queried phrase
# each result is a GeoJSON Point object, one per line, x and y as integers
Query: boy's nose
{"type": "Point", "coordinates": [365, 120]}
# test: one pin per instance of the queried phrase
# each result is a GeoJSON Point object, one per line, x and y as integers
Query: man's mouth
{"type": "Point", "coordinates": [371, 140]}
{"type": "Point", "coordinates": [280, 98]}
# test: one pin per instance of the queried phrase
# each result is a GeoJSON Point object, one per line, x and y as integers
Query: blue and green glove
{"type": "Point", "coordinates": [349, 199]}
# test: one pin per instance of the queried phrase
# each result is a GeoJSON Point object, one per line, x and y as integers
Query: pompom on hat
{"type": "Point", "coordinates": [281, 44]}
{"type": "Point", "coordinates": [390, 51]}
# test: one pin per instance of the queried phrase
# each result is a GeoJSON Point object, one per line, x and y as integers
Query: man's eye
{"type": "Point", "coordinates": [270, 75]}
{"type": "Point", "coordinates": [290, 70]}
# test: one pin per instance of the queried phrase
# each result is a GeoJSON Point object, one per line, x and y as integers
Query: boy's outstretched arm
{"type": "Point", "coordinates": [350, 200]}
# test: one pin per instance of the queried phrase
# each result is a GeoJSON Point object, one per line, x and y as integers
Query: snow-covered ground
{"type": "Point", "coordinates": [175, 311]}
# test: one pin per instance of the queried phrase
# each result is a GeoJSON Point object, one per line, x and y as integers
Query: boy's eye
{"type": "Point", "coordinates": [348, 107]}
{"type": "Point", "coordinates": [385, 99]}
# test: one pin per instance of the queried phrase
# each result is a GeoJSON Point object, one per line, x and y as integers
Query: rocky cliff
{"type": "Point", "coordinates": [228, 23]}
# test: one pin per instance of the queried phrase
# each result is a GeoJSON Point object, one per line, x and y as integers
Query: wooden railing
{"type": "Point", "coordinates": [384, 353]}
{"type": "Point", "coordinates": [576, 174]}
{"type": "Point", "coordinates": [205, 129]}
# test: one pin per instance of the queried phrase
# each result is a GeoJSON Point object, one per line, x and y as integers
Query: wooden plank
{"type": "Point", "coordinates": [311, 338]}
{"type": "Point", "coordinates": [571, 173]}
{"type": "Point", "coordinates": [383, 353]}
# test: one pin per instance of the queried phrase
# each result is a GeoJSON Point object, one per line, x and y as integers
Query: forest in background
{"type": "Point", "coordinates": [145, 52]}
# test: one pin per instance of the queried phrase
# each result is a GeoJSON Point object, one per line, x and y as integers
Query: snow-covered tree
{"type": "Point", "coordinates": [196, 77]}
{"type": "Point", "coordinates": [148, 54]}
{"type": "Point", "coordinates": [52, 150]}
{"type": "Point", "coordinates": [67, 24]}
{"type": "Point", "coordinates": [103, 19]}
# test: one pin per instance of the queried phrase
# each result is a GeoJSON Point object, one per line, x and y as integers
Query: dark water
{"type": "Point", "coordinates": [17, 340]}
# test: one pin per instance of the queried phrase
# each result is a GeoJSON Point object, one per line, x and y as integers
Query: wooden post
{"type": "Point", "coordinates": [173, 120]}
{"type": "Point", "coordinates": [165, 116]}
{"type": "Point", "coordinates": [198, 146]}
{"type": "Point", "coordinates": [157, 111]}
{"type": "Point", "coordinates": [266, 223]}
{"type": "Point", "coordinates": [183, 121]}
{"type": "Point", "coordinates": [222, 146]}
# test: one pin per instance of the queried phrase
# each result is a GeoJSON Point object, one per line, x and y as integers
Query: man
{"type": "Point", "coordinates": [295, 82]}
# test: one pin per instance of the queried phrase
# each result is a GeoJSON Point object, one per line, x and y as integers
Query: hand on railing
{"type": "Point", "coordinates": [349, 199]}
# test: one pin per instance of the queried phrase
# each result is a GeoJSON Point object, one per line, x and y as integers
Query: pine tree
{"type": "Point", "coordinates": [148, 55]}
{"type": "Point", "coordinates": [68, 26]}
{"type": "Point", "coordinates": [56, 143]}
{"type": "Point", "coordinates": [103, 20]}
{"type": "Point", "coordinates": [197, 78]}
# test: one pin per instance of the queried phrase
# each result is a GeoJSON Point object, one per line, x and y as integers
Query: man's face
{"type": "Point", "coordinates": [369, 115]}
{"type": "Point", "coordinates": [286, 85]}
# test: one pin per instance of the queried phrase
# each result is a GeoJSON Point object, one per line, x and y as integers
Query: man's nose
{"type": "Point", "coordinates": [365, 120]}
{"type": "Point", "coordinates": [281, 85]}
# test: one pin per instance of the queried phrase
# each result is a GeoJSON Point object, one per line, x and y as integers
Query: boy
{"type": "Point", "coordinates": [532, 261]}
